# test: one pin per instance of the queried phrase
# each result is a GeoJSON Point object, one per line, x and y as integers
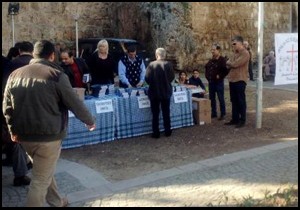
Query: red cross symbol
{"type": "Point", "coordinates": [292, 51]}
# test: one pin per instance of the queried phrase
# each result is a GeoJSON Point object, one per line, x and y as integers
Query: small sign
{"type": "Point", "coordinates": [86, 78]}
{"type": "Point", "coordinates": [180, 97]}
{"type": "Point", "coordinates": [71, 114]}
{"type": "Point", "coordinates": [125, 95]}
{"type": "Point", "coordinates": [133, 93]}
{"type": "Point", "coordinates": [143, 101]}
{"type": "Point", "coordinates": [197, 90]}
{"type": "Point", "coordinates": [104, 106]}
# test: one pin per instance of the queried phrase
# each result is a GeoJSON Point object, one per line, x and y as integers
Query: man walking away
{"type": "Point", "coordinates": [36, 101]}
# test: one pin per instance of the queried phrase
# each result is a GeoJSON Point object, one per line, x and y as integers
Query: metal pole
{"type": "Point", "coordinates": [259, 81]}
{"type": "Point", "coordinates": [13, 29]}
{"type": "Point", "coordinates": [77, 50]}
{"type": "Point", "coordinates": [291, 17]}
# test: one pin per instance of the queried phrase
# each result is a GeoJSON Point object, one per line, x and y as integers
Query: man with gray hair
{"type": "Point", "coordinates": [159, 76]}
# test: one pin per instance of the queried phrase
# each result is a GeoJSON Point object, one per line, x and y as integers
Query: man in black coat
{"type": "Point", "coordinates": [159, 75]}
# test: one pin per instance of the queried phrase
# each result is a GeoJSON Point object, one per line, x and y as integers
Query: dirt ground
{"type": "Point", "coordinates": [133, 157]}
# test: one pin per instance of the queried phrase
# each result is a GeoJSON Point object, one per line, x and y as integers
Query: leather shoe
{"type": "Point", "coordinates": [240, 125]}
{"type": "Point", "coordinates": [155, 135]}
{"type": "Point", "coordinates": [231, 123]}
{"type": "Point", "coordinates": [221, 118]}
{"type": "Point", "coordinates": [22, 180]}
{"type": "Point", "coordinates": [168, 133]}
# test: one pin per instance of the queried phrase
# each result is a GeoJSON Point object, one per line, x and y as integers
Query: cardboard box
{"type": "Point", "coordinates": [201, 118]}
{"type": "Point", "coordinates": [201, 111]}
{"type": "Point", "coordinates": [201, 104]}
{"type": "Point", "coordinates": [80, 92]}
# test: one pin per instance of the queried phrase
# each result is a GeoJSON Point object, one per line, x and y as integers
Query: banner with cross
{"type": "Point", "coordinates": [286, 52]}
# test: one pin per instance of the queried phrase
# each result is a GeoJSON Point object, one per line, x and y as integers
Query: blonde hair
{"type": "Point", "coordinates": [103, 42]}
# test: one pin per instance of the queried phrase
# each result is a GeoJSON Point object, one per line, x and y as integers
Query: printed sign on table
{"type": "Point", "coordinates": [104, 106]}
{"type": "Point", "coordinates": [143, 101]}
{"type": "Point", "coordinates": [180, 97]}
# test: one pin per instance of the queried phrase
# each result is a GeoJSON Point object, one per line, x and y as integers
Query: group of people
{"type": "Point", "coordinates": [37, 97]}
{"type": "Point", "coordinates": [100, 67]}
{"type": "Point", "coordinates": [236, 69]}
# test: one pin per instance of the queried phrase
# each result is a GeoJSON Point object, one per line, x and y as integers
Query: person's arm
{"type": "Point", "coordinates": [241, 60]}
{"type": "Point", "coordinates": [201, 84]}
{"type": "Point", "coordinates": [73, 102]}
{"type": "Point", "coordinates": [223, 68]}
{"type": "Point", "coordinates": [122, 73]}
{"type": "Point", "coordinates": [142, 75]}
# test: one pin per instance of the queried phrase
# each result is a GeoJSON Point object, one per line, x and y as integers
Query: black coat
{"type": "Point", "coordinates": [159, 76]}
{"type": "Point", "coordinates": [82, 66]}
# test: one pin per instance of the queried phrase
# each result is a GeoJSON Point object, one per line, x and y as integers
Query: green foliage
{"type": "Point", "coordinates": [287, 197]}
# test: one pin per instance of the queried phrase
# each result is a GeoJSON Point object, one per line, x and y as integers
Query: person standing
{"type": "Point", "coordinates": [215, 72]}
{"type": "Point", "coordinates": [25, 55]}
{"type": "Point", "coordinates": [102, 65]}
{"type": "Point", "coordinates": [159, 76]}
{"type": "Point", "coordinates": [75, 68]}
{"type": "Point", "coordinates": [15, 153]}
{"type": "Point", "coordinates": [237, 77]}
{"type": "Point", "coordinates": [250, 66]}
{"type": "Point", "coordinates": [131, 69]}
{"type": "Point", "coordinates": [36, 101]}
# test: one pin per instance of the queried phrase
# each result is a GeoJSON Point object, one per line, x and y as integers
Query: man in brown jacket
{"type": "Point", "coordinates": [237, 77]}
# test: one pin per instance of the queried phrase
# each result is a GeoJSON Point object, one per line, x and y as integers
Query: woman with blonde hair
{"type": "Point", "coordinates": [102, 65]}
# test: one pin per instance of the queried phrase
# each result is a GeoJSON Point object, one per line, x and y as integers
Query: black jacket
{"type": "Point", "coordinates": [82, 66]}
{"type": "Point", "coordinates": [159, 75]}
{"type": "Point", "coordinates": [215, 70]}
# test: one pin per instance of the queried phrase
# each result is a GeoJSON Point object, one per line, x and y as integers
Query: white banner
{"type": "Point", "coordinates": [286, 52]}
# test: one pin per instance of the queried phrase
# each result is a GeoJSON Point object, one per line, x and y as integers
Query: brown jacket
{"type": "Point", "coordinates": [239, 66]}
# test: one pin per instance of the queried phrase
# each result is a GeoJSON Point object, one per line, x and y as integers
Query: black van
{"type": "Point", "coordinates": [88, 46]}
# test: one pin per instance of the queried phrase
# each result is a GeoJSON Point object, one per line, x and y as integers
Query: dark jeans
{"type": "Point", "coordinates": [250, 69]}
{"type": "Point", "coordinates": [217, 88]}
{"type": "Point", "coordinates": [155, 108]}
{"type": "Point", "coordinates": [16, 153]}
{"type": "Point", "coordinates": [238, 101]}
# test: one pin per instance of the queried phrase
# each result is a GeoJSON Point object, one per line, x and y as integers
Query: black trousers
{"type": "Point", "coordinates": [164, 104]}
{"type": "Point", "coordinates": [238, 101]}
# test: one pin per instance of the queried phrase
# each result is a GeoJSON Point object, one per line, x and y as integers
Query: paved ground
{"type": "Point", "coordinates": [203, 183]}
{"type": "Point", "coordinates": [237, 175]}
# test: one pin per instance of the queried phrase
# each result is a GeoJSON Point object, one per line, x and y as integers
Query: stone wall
{"type": "Point", "coordinates": [186, 30]}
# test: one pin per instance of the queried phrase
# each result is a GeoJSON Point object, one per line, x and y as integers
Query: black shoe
{"type": "Point", "coordinates": [168, 133]}
{"type": "Point", "coordinates": [7, 162]}
{"type": "Point", "coordinates": [214, 116]}
{"type": "Point", "coordinates": [240, 125]}
{"type": "Point", "coordinates": [22, 180]}
{"type": "Point", "coordinates": [155, 135]}
{"type": "Point", "coordinates": [231, 123]}
{"type": "Point", "coordinates": [221, 117]}
{"type": "Point", "coordinates": [29, 165]}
